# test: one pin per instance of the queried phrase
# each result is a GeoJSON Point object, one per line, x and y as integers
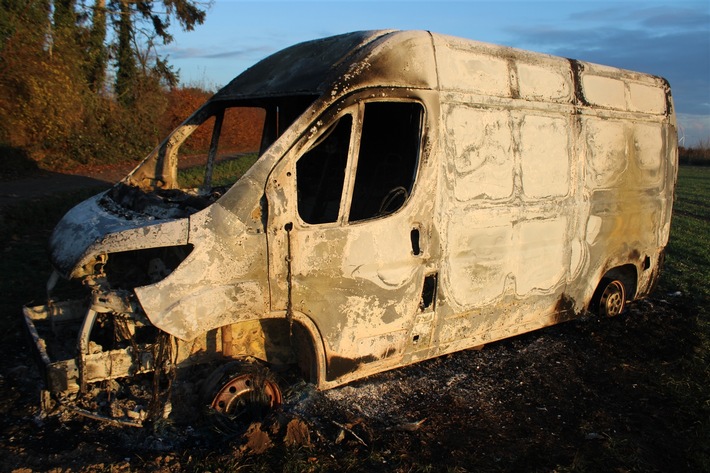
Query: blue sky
{"type": "Point", "coordinates": [670, 38]}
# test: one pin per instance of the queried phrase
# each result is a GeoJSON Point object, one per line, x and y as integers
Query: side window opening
{"type": "Point", "coordinates": [388, 158]}
{"type": "Point", "coordinates": [320, 174]}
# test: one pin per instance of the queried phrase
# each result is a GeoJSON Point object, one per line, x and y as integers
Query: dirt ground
{"type": "Point", "coordinates": [581, 396]}
{"type": "Point", "coordinates": [588, 395]}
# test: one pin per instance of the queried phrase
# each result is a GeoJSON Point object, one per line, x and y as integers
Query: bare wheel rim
{"type": "Point", "coordinates": [613, 299]}
{"type": "Point", "coordinates": [247, 394]}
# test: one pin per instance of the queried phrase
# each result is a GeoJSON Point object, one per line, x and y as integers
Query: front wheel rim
{"type": "Point", "coordinates": [245, 394]}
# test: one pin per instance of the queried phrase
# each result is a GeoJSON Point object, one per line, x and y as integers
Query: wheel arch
{"type": "Point", "coordinates": [275, 340]}
{"type": "Point", "coordinates": [627, 274]}
{"type": "Point", "coordinates": [309, 348]}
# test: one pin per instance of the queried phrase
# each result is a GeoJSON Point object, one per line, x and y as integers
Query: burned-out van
{"type": "Point", "coordinates": [409, 195]}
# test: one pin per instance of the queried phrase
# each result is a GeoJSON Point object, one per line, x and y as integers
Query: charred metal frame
{"type": "Point", "coordinates": [541, 182]}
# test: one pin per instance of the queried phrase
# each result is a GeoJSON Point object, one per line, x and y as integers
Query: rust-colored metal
{"type": "Point", "coordinates": [245, 392]}
{"type": "Point", "coordinates": [227, 341]}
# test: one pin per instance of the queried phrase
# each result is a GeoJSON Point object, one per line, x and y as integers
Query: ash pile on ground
{"type": "Point", "coordinates": [587, 394]}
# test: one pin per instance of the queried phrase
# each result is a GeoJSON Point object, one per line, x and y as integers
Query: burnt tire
{"type": "Point", "coordinates": [241, 391]}
{"type": "Point", "coordinates": [612, 298]}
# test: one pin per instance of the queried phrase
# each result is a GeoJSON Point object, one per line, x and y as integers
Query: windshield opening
{"type": "Point", "coordinates": [206, 155]}
{"type": "Point", "coordinates": [220, 149]}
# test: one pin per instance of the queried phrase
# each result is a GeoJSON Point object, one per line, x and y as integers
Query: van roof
{"type": "Point", "coordinates": [348, 60]}
{"type": "Point", "coordinates": [301, 68]}
{"type": "Point", "coordinates": [420, 59]}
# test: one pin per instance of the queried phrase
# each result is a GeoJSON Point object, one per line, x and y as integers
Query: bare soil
{"type": "Point", "coordinates": [588, 395]}
{"type": "Point", "coordinates": [42, 184]}
{"type": "Point", "coordinates": [582, 396]}
{"type": "Point", "coordinates": [34, 183]}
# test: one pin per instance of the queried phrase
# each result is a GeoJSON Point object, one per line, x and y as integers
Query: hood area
{"type": "Point", "coordinates": [100, 225]}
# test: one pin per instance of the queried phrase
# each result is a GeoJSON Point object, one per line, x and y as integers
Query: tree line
{"type": "Point", "coordinates": [83, 83]}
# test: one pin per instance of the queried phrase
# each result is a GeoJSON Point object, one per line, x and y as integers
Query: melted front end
{"type": "Point", "coordinates": [87, 344]}
{"type": "Point", "coordinates": [102, 356]}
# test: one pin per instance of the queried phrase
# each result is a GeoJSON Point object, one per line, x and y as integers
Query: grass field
{"type": "Point", "coordinates": [688, 254]}
{"type": "Point", "coordinates": [661, 353]}
{"type": "Point", "coordinates": [687, 270]}
{"type": "Point", "coordinates": [225, 172]}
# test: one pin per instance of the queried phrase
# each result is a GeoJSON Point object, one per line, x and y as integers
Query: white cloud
{"type": "Point", "coordinates": [215, 53]}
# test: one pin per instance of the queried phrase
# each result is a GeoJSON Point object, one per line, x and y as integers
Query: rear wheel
{"type": "Point", "coordinates": [612, 299]}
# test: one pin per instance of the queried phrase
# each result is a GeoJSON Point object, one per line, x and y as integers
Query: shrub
{"type": "Point", "coordinates": [698, 155]}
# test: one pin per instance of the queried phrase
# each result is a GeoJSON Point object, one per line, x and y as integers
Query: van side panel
{"type": "Point", "coordinates": [630, 152]}
{"type": "Point", "coordinates": [626, 180]}
{"type": "Point", "coordinates": [554, 172]}
{"type": "Point", "coordinates": [509, 219]}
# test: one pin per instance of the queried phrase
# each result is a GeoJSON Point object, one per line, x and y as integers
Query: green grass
{"type": "Point", "coordinates": [225, 172]}
{"type": "Point", "coordinates": [687, 270]}
{"type": "Point", "coordinates": [687, 266]}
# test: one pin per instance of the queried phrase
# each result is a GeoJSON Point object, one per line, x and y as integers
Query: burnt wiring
{"type": "Point", "coordinates": [164, 369]}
